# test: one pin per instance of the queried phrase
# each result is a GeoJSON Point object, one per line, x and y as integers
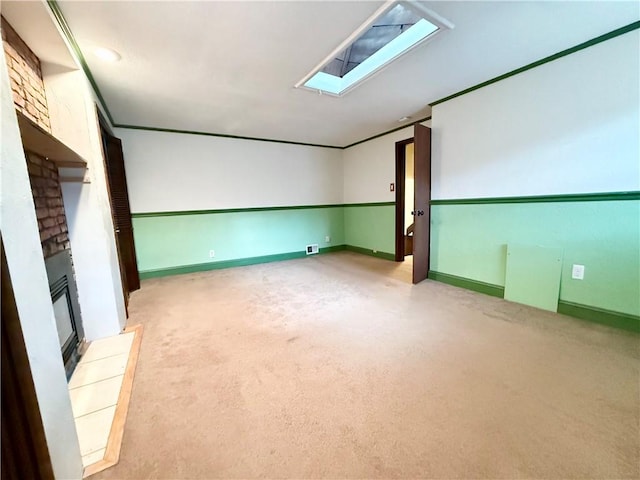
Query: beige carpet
{"type": "Point", "coordinates": [337, 367]}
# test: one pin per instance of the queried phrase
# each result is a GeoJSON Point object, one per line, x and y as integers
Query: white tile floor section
{"type": "Point", "coordinates": [94, 389]}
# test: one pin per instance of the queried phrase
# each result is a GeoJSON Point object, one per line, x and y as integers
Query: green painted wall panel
{"type": "Point", "coordinates": [470, 241]}
{"type": "Point", "coordinates": [173, 241]}
{"type": "Point", "coordinates": [371, 227]}
{"type": "Point", "coordinates": [533, 275]}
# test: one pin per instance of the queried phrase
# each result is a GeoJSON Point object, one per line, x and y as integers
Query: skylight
{"type": "Point", "coordinates": [392, 31]}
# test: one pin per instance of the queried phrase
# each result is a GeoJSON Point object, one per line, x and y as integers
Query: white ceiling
{"type": "Point", "coordinates": [229, 67]}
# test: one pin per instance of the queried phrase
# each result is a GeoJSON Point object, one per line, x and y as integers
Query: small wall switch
{"type": "Point", "coordinates": [212, 253]}
{"type": "Point", "coordinates": [327, 238]}
{"type": "Point", "coordinates": [392, 187]}
{"type": "Point", "coordinates": [577, 272]}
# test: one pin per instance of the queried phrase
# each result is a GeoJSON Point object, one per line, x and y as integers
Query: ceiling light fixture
{"type": "Point", "coordinates": [106, 54]}
{"type": "Point", "coordinates": [404, 119]}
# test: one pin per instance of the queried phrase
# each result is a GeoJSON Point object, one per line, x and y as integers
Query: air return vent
{"type": "Point", "coordinates": [312, 249]}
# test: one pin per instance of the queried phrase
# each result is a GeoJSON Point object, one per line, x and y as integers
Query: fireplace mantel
{"type": "Point", "coordinates": [38, 141]}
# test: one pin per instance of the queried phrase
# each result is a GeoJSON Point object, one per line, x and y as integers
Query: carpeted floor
{"type": "Point", "coordinates": [335, 366]}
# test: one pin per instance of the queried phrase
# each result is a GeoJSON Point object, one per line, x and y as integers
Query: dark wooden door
{"type": "Point", "coordinates": [422, 201]}
{"type": "Point", "coordinates": [24, 447]}
{"type": "Point", "coordinates": [121, 212]}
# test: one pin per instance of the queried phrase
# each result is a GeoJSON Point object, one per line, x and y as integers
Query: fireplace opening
{"type": "Point", "coordinates": [66, 309]}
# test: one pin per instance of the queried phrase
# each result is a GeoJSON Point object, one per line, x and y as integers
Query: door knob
{"type": "Point", "coordinates": [420, 212]}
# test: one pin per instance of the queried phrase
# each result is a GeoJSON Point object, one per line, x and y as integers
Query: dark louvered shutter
{"type": "Point", "coordinates": [121, 212]}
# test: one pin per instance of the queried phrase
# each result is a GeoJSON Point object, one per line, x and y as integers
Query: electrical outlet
{"type": "Point", "coordinates": [212, 253]}
{"type": "Point", "coordinates": [577, 272]}
{"type": "Point", "coordinates": [327, 239]}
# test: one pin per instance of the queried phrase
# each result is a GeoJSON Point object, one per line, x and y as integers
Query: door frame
{"type": "Point", "coordinates": [401, 150]}
{"type": "Point", "coordinates": [103, 127]}
{"type": "Point", "coordinates": [129, 282]}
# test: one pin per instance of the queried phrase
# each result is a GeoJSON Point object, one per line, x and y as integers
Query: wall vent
{"type": "Point", "coordinates": [311, 249]}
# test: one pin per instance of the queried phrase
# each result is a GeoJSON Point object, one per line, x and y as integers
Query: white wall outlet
{"type": "Point", "coordinates": [212, 253]}
{"type": "Point", "coordinates": [577, 272]}
{"type": "Point", "coordinates": [327, 239]}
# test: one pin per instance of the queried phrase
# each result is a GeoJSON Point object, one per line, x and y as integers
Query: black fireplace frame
{"type": "Point", "coordinates": [62, 282]}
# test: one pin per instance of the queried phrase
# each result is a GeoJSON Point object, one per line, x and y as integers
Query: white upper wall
{"type": "Point", "coordinates": [370, 167]}
{"type": "Point", "coordinates": [568, 126]}
{"type": "Point", "coordinates": [174, 171]}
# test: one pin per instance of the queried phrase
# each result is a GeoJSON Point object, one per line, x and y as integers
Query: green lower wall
{"type": "Point", "coordinates": [468, 245]}
{"type": "Point", "coordinates": [470, 241]}
{"type": "Point", "coordinates": [170, 241]}
{"type": "Point", "coordinates": [371, 227]}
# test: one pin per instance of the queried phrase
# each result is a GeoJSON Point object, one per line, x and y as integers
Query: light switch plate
{"type": "Point", "coordinates": [392, 187]}
{"type": "Point", "coordinates": [577, 272]}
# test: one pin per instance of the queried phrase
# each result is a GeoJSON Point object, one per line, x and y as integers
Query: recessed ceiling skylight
{"type": "Point", "coordinates": [392, 31]}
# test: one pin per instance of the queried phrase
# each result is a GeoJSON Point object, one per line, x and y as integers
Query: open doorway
{"type": "Point", "coordinates": [405, 192]}
{"type": "Point", "coordinates": [413, 198]}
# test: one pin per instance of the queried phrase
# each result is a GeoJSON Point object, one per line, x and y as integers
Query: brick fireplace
{"type": "Point", "coordinates": [29, 97]}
